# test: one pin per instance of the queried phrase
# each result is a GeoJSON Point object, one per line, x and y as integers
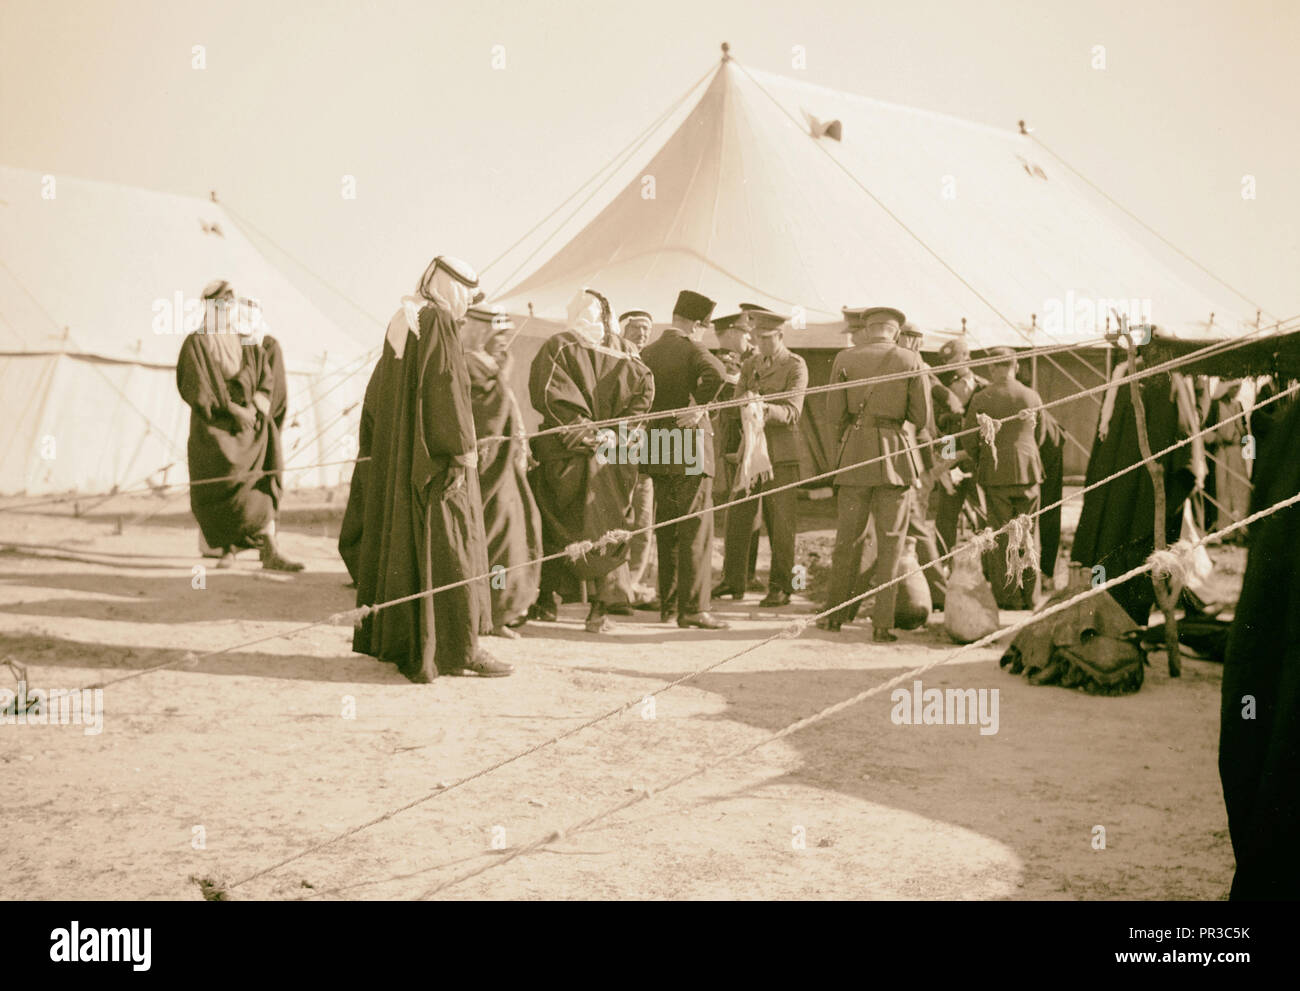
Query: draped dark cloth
{"type": "Point", "coordinates": [233, 511]}
{"type": "Point", "coordinates": [1117, 526]}
{"type": "Point", "coordinates": [1259, 757]}
{"type": "Point", "coordinates": [403, 532]}
{"type": "Point", "coordinates": [1051, 451]}
{"type": "Point", "coordinates": [510, 518]}
{"type": "Point", "coordinates": [573, 382]}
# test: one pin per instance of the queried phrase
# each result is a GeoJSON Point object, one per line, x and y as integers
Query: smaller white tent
{"type": "Point", "coordinates": [95, 283]}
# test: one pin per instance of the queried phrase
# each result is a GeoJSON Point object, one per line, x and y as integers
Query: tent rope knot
{"type": "Point", "coordinates": [988, 428]}
{"type": "Point", "coordinates": [351, 617]}
{"type": "Point", "coordinates": [613, 538]}
{"type": "Point", "coordinates": [984, 541]}
{"type": "Point", "coordinates": [579, 549]}
{"type": "Point", "coordinates": [1022, 552]}
{"type": "Point", "coordinates": [1174, 564]}
{"type": "Point", "coordinates": [1030, 416]}
{"type": "Point", "coordinates": [792, 630]}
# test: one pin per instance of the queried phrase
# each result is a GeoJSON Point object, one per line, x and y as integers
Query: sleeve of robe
{"type": "Point", "coordinates": [194, 379]}
{"type": "Point", "coordinates": [556, 395]}
{"type": "Point", "coordinates": [641, 394]}
{"type": "Point", "coordinates": [448, 410]}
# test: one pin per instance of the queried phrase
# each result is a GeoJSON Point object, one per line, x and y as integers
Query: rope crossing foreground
{"type": "Point", "coordinates": [980, 542]}
{"type": "Point", "coordinates": [831, 710]}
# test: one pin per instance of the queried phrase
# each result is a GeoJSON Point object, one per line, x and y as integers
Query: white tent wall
{"type": "Point", "coordinates": [95, 280]}
{"type": "Point", "coordinates": [85, 425]}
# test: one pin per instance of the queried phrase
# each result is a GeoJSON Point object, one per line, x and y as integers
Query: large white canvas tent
{"type": "Point", "coordinates": [944, 218]}
{"type": "Point", "coordinates": [805, 199]}
{"type": "Point", "coordinates": [95, 279]}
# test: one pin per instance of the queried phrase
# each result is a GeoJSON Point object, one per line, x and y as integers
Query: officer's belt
{"type": "Point", "coordinates": [879, 421]}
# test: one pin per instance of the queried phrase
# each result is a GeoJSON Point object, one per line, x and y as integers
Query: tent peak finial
{"type": "Point", "coordinates": [726, 52]}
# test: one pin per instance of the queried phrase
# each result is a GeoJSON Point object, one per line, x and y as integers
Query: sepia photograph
{"type": "Point", "coordinates": [678, 453]}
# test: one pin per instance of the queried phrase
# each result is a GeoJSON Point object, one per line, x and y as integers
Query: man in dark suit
{"type": "Point", "coordinates": [685, 374]}
{"type": "Point", "coordinates": [871, 419]}
{"type": "Point", "coordinates": [1009, 472]}
{"type": "Point", "coordinates": [773, 369]}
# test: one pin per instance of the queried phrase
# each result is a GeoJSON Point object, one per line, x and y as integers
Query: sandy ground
{"type": "Point", "coordinates": [220, 770]}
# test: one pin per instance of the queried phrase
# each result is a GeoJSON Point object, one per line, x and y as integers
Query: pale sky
{"type": "Point", "coordinates": [453, 156]}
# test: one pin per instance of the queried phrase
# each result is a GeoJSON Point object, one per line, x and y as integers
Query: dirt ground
{"type": "Point", "coordinates": [220, 770]}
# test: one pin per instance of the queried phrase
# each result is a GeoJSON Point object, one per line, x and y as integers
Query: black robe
{"type": "Point", "coordinates": [574, 382]}
{"type": "Point", "coordinates": [232, 512]}
{"type": "Point", "coordinates": [403, 533]}
{"type": "Point", "coordinates": [1259, 757]}
{"type": "Point", "coordinates": [1050, 436]}
{"type": "Point", "coordinates": [1116, 525]}
{"type": "Point", "coordinates": [510, 518]}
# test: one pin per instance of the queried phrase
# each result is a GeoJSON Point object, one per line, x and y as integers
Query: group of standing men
{"type": "Point", "coordinates": [448, 489]}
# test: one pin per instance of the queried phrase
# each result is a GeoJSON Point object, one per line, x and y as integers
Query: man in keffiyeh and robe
{"type": "Point", "coordinates": [510, 518]}
{"type": "Point", "coordinates": [414, 518]}
{"type": "Point", "coordinates": [582, 375]}
{"type": "Point", "coordinates": [235, 388]}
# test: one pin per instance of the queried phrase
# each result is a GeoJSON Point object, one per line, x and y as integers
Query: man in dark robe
{"type": "Point", "coordinates": [584, 480]}
{"type": "Point", "coordinates": [510, 518]}
{"type": "Point", "coordinates": [235, 388]}
{"type": "Point", "coordinates": [421, 524]}
{"type": "Point", "coordinates": [1116, 524]}
{"type": "Point", "coordinates": [1259, 735]}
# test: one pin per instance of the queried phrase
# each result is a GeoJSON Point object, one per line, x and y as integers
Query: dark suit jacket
{"type": "Point", "coordinates": [685, 374]}
{"type": "Point", "coordinates": [787, 372]}
{"type": "Point", "coordinates": [1018, 460]}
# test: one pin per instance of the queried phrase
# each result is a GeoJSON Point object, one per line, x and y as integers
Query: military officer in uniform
{"type": "Point", "coordinates": [685, 374]}
{"type": "Point", "coordinates": [774, 368]}
{"type": "Point", "coordinates": [1009, 473]}
{"type": "Point", "coordinates": [734, 346]}
{"type": "Point", "coordinates": [870, 418]}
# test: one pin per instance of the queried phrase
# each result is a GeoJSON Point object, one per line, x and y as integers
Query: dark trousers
{"type": "Point", "coordinates": [855, 505]}
{"type": "Point", "coordinates": [948, 511]}
{"type": "Point", "coordinates": [780, 516]}
{"type": "Point", "coordinates": [927, 550]}
{"type": "Point", "coordinates": [1004, 503]}
{"type": "Point", "coordinates": [722, 494]}
{"type": "Point", "coordinates": [1049, 524]}
{"type": "Point", "coordinates": [685, 549]}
